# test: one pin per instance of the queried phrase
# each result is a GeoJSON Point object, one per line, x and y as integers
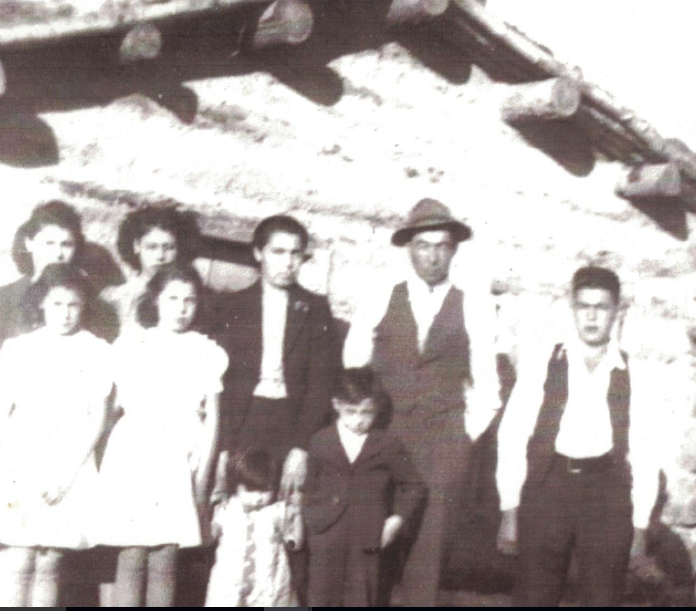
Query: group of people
{"type": "Point", "coordinates": [316, 467]}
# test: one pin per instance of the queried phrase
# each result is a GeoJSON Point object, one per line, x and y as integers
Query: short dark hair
{"type": "Point", "coordinates": [354, 385]}
{"type": "Point", "coordinates": [65, 275]}
{"type": "Point", "coordinates": [147, 311]}
{"type": "Point", "coordinates": [279, 223]}
{"type": "Point", "coordinates": [183, 225]}
{"type": "Point", "coordinates": [57, 213]}
{"type": "Point", "coordinates": [594, 277]}
{"type": "Point", "coordinates": [255, 468]}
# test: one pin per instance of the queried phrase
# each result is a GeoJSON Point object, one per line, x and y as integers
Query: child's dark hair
{"type": "Point", "coordinates": [65, 275]}
{"type": "Point", "coordinates": [56, 213]}
{"type": "Point", "coordinates": [148, 312]}
{"type": "Point", "coordinates": [354, 385]}
{"type": "Point", "coordinates": [255, 468]}
{"type": "Point", "coordinates": [593, 277]}
{"type": "Point", "coordinates": [183, 226]}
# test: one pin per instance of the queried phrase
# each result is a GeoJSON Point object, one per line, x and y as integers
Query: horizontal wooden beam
{"type": "Point", "coordinates": [33, 22]}
{"type": "Point", "coordinates": [551, 99]}
{"type": "Point", "coordinates": [408, 11]}
{"type": "Point", "coordinates": [285, 22]}
{"type": "Point", "coordinates": [650, 181]}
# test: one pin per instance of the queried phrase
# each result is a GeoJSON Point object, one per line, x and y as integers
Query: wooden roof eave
{"type": "Point", "coordinates": [61, 19]}
{"type": "Point", "coordinates": [614, 128]}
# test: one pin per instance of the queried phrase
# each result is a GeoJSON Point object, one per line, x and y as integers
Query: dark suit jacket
{"type": "Point", "coordinates": [383, 481]}
{"type": "Point", "coordinates": [310, 360]}
{"type": "Point", "coordinates": [11, 316]}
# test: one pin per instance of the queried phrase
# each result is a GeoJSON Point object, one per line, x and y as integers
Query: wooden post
{"type": "Point", "coordinates": [288, 22]}
{"type": "Point", "coordinates": [651, 181]}
{"type": "Point", "coordinates": [143, 42]}
{"type": "Point", "coordinates": [405, 11]}
{"type": "Point", "coordinates": [543, 101]}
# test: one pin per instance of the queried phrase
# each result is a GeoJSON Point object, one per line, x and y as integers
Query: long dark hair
{"type": "Point", "coordinates": [182, 225]}
{"type": "Point", "coordinates": [148, 312]}
{"type": "Point", "coordinates": [55, 212]}
{"type": "Point", "coordinates": [65, 275]}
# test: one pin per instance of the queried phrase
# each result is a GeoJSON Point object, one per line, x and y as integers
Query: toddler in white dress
{"type": "Point", "coordinates": [251, 564]}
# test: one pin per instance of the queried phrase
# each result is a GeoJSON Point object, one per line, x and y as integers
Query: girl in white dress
{"type": "Point", "coordinates": [158, 461]}
{"type": "Point", "coordinates": [251, 565]}
{"type": "Point", "coordinates": [56, 381]}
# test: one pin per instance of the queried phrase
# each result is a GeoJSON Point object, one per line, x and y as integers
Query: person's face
{"type": "Point", "coordinates": [176, 306]}
{"type": "Point", "coordinates": [51, 244]}
{"type": "Point", "coordinates": [431, 255]}
{"type": "Point", "coordinates": [62, 309]}
{"type": "Point", "coordinates": [595, 312]}
{"type": "Point", "coordinates": [155, 249]}
{"type": "Point", "coordinates": [281, 259]}
{"type": "Point", "coordinates": [356, 418]}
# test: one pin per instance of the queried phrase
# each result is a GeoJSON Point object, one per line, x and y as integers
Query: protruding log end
{"type": "Point", "coordinates": [143, 42]}
{"type": "Point", "coordinates": [651, 181]}
{"type": "Point", "coordinates": [548, 100]}
{"type": "Point", "coordinates": [407, 11]}
{"type": "Point", "coordinates": [285, 22]}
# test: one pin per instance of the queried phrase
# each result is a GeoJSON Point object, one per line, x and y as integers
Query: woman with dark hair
{"type": "Point", "coordinates": [148, 239]}
{"type": "Point", "coordinates": [53, 234]}
{"type": "Point", "coordinates": [56, 382]}
{"type": "Point", "coordinates": [158, 462]}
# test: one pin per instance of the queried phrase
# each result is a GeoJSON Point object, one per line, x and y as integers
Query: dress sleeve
{"type": "Point", "coordinates": [216, 365]}
{"type": "Point", "coordinates": [9, 356]}
{"type": "Point", "coordinates": [102, 381]}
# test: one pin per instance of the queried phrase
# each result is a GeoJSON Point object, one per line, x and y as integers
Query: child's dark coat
{"type": "Point", "coordinates": [345, 509]}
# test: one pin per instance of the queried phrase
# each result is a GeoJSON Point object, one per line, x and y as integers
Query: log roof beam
{"type": "Point", "coordinates": [613, 127]}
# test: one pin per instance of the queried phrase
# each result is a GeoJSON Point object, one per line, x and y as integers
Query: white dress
{"type": "Point", "coordinates": [53, 392]}
{"type": "Point", "coordinates": [270, 582]}
{"type": "Point", "coordinates": [155, 448]}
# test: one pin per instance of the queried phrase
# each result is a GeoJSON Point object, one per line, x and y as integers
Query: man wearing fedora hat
{"type": "Point", "coordinates": [432, 343]}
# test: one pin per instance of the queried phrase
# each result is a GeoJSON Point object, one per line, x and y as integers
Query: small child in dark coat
{"type": "Point", "coordinates": [363, 493]}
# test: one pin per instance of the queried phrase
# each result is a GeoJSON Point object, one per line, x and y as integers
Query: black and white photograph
{"type": "Point", "coordinates": [347, 303]}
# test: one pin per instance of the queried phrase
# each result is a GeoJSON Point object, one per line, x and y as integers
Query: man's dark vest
{"type": "Point", "coordinates": [423, 385]}
{"type": "Point", "coordinates": [541, 449]}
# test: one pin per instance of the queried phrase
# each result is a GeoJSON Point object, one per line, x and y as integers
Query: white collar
{"type": "Point", "coordinates": [613, 358]}
{"type": "Point", "coordinates": [416, 286]}
{"type": "Point", "coordinates": [344, 431]}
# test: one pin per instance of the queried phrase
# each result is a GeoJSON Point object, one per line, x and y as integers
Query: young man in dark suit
{"type": "Point", "coordinates": [282, 345]}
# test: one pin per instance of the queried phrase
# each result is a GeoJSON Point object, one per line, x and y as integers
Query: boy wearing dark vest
{"type": "Point", "coordinates": [363, 494]}
{"type": "Point", "coordinates": [582, 414]}
{"type": "Point", "coordinates": [432, 344]}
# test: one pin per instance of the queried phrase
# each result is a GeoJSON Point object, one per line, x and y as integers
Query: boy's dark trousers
{"type": "Point", "coordinates": [588, 511]}
{"type": "Point", "coordinates": [341, 574]}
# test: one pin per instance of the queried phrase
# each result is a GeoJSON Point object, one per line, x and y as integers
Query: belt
{"type": "Point", "coordinates": [582, 466]}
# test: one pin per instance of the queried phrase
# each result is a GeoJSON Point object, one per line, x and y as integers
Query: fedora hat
{"type": "Point", "coordinates": [426, 215]}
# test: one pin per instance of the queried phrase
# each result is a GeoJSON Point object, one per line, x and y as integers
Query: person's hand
{"type": "Point", "coordinates": [294, 473]}
{"type": "Point", "coordinates": [507, 533]}
{"type": "Point", "coordinates": [641, 565]}
{"type": "Point", "coordinates": [392, 527]}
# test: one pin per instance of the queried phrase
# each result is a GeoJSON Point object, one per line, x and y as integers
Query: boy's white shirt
{"type": "Point", "coordinates": [352, 442]}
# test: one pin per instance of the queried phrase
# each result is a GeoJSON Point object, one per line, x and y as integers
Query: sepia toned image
{"type": "Point", "coordinates": [347, 303]}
